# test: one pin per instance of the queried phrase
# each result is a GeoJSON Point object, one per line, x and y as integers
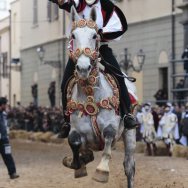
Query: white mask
{"type": "Point", "coordinates": [90, 2]}
{"type": "Point", "coordinates": [167, 109]}
{"type": "Point", "coordinates": [146, 108]}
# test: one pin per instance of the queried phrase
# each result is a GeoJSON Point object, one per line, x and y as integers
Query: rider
{"type": "Point", "coordinates": [112, 24]}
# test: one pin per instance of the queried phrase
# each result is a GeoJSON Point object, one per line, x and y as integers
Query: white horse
{"type": "Point", "coordinates": [93, 100]}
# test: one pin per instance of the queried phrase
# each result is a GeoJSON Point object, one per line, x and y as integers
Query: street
{"type": "Point", "coordinates": [39, 166]}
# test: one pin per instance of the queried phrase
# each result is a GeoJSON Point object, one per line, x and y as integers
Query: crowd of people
{"type": "Point", "coordinates": [167, 122]}
{"type": "Point", "coordinates": [34, 118]}
{"type": "Point", "coordinates": [44, 119]}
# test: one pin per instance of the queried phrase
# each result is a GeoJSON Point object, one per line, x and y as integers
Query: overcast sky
{"type": "Point", "coordinates": [4, 7]}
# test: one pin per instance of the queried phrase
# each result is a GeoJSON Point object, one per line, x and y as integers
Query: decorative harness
{"type": "Point", "coordinates": [92, 54]}
{"type": "Point", "coordinates": [90, 107]}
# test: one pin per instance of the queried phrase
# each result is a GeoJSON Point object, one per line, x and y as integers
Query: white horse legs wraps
{"type": "Point", "coordinates": [102, 171]}
{"type": "Point", "coordinates": [129, 138]}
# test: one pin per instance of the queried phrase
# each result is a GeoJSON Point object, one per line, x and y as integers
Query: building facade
{"type": "Point", "coordinates": [4, 57]}
{"type": "Point", "coordinates": [9, 55]}
{"type": "Point", "coordinates": [15, 53]}
{"type": "Point", "coordinates": [150, 29]}
{"type": "Point", "coordinates": [42, 30]}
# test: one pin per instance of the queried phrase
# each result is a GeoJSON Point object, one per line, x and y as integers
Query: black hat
{"type": "Point", "coordinates": [147, 104]}
{"type": "Point", "coordinates": [168, 105]}
{"type": "Point", "coordinates": [3, 100]}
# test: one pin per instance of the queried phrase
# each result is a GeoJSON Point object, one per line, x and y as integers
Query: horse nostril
{"type": "Point", "coordinates": [77, 67]}
{"type": "Point", "coordinates": [89, 68]}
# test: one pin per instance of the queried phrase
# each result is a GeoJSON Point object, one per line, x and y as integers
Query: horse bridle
{"type": "Point", "coordinates": [92, 54]}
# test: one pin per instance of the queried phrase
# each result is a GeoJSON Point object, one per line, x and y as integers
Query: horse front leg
{"type": "Point", "coordinates": [102, 171]}
{"type": "Point", "coordinates": [74, 140]}
{"type": "Point", "coordinates": [129, 138]}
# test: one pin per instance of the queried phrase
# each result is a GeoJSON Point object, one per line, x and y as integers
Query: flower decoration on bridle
{"type": "Point", "coordinates": [92, 54]}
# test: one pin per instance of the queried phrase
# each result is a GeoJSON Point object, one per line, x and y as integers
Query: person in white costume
{"type": "Point", "coordinates": [168, 128]}
{"type": "Point", "coordinates": [148, 129]}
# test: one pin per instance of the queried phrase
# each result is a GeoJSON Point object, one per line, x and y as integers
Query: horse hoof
{"type": "Point", "coordinates": [101, 176]}
{"type": "Point", "coordinates": [82, 172]}
{"type": "Point", "coordinates": [67, 162]}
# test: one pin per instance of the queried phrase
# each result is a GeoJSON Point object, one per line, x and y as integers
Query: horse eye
{"type": "Point", "coordinates": [73, 36]}
{"type": "Point", "coordinates": [94, 36]}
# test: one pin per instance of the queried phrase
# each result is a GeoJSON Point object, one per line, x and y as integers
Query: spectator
{"type": "Point", "coordinates": [51, 94]}
{"type": "Point", "coordinates": [168, 128]}
{"type": "Point", "coordinates": [185, 56]}
{"type": "Point", "coordinates": [34, 92]}
{"type": "Point", "coordinates": [184, 127]}
{"type": "Point", "coordinates": [160, 97]}
{"type": "Point", "coordinates": [5, 148]}
{"type": "Point", "coordinates": [180, 94]}
{"type": "Point", "coordinates": [155, 117]}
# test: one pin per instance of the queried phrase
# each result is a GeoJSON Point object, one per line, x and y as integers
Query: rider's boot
{"type": "Point", "coordinates": [65, 128]}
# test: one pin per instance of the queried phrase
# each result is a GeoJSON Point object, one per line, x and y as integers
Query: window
{"type": "Point", "coordinates": [5, 65]}
{"type": "Point", "coordinates": [35, 12]}
{"type": "Point", "coordinates": [52, 11]}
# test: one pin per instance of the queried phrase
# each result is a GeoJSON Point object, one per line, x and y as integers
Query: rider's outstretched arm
{"type": "Point", "coordinates": [67, 4]}
{"type": "Point", "coordinates": [115, 23]}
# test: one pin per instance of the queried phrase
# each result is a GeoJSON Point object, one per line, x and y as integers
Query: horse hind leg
{"type": "Point", "coordinates": [102, 171]}
{"type": "Point", "coordinates": [129, 138]}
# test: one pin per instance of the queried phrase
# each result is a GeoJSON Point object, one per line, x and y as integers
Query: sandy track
{"type": "Point", "coordinates": [39, 166]}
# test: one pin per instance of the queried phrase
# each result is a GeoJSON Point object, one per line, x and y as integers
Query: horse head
{"type": "Point", "coordinates": [84, 37]}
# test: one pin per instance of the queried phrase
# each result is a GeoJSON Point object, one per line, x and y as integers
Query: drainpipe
{"type": "Point", "coordinates": [64, 41]}
{"type": "Point", "coordinates": [10, 57]}
{"type": "Point", "coordinates": [173, 45]}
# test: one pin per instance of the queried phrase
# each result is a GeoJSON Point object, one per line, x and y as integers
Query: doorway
{"type": "Point", "coordinates": [163, 80]}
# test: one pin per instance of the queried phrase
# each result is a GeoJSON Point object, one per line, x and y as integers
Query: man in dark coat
{"type": "Point", "coordinates": [5, 148]}
{"type": "Point", "coordinates": [51, 94]}
{"type": "Point", "coordinates": [180, 95]}
{"type": "Point", "coordinates": [185, 56]}
{"type": "Point", "coordinates": [34, 92]}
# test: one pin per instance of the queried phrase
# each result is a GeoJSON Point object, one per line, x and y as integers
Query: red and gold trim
{"type": "Point", "coordinates": [74, 55]}
{"type": "Point", "coordinates": [83, 23]}
{"type": "Point", "coordinates": [90, 106]}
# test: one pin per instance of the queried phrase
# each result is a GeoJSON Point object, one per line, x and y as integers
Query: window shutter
{"type": "Point", "coordinates": [35, 12]}
{"type": "Point", "coordinates": [56, 12]}
{"type": "Point", "coordinates": [5, 65]}
{"type": "Point", "coordinates": [49, 11]}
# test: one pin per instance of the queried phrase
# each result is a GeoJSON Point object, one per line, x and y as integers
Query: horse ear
{"type": "Point", "coordinates": [93, 14]}
{"type": "Point", "coordinates": [74, 14]}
